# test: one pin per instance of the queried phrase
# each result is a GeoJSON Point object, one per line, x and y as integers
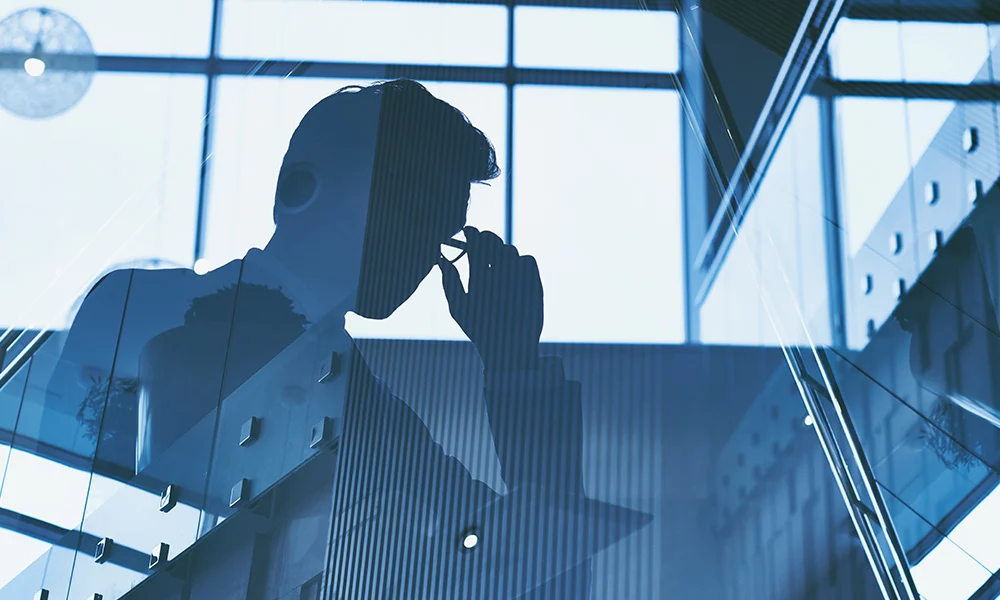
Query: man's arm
{"type": "Point", "coordinates": [537, 424]}
{"type": "Point", "coordinates": [534, 410]}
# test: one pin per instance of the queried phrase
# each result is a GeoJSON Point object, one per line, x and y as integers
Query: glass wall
{"type": "Point", "coordinates": [901, 325]}
{"type": "Point", "coordinates": [208, 345]}
{"type": "Point", "coordinates": [403, 299]}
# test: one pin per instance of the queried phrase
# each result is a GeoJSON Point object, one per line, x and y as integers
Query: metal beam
{"type": "Point", "coordinates": [211, 66]}
{"type": "Point", "coordinates": [695, 163]}
{"type": "Point", "coordinates": [287, 68]}
{"type": "Point", "coordinates": [831, 224]}
{"type": "Point", "coordinates": [946, 12]}
{"type": "Point", "coordinates": [970, 92]}
{"type": "Point", "coordinates": [510, 79]}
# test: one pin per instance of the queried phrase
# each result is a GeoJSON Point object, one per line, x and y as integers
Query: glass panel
{"type": "Point", "coordinates": [282, 380]}
{"type": "Point", "coordinates": [874, 155]}
{"type": "Point", "coordinates": [44, 489]}
{"type": "Point", "coordinates": [159, 425]}
{"type": "Point", "coordinates": [60, 416]}
{"type": "Point", "coordinates": [45, 486]}
{"type": "Point", "coordinates": [410, 33]}
{"type": "Point", "coordinates": [910, 51]}
{"type": "Point", "coordinates": [17, 552]}
{"type": "Point", "coordinates": [780, 246]}
{"type": "Point", "coordinates": [596, 39]}
{"type": "Point", "coordinates": [949, 572]}
{"type": "Point", "coordinates": [866, 50]}
{"type": "Point", "coordinates": [121, 27]}
{"type": "Point", "coordinates": [10, 405]}
{"type": "Point", "coordinates": [972, 533]}
{"type": "Point", "coordinates": [50, 571]}
{"type": "Point", "coordinates": [926, 417]}
{"type": "Point", "coordinates": [138, 204]}
{"type": "Point", "coordinates": [945, 52]}
{"type": "Point", "coordinates": [131, 517]}
{"type": "Point", "coordinates": [568, 165]}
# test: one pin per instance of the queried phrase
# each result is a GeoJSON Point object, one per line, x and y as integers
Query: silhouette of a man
{"type": "Point", "coordinates": [374, 181]}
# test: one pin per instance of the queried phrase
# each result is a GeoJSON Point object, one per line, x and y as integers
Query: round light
{"type": "Point", "coordinates": [47, 63]}
{"type": "Point", "coordinates": [34, 66]}
{"type": "Point", "coordinates": [470, 541]}
{"type": "Point", "coordinates": [201, 266]}
{"type": "Point", "coordinates": [808, 421]}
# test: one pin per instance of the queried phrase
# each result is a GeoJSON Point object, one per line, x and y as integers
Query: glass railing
{"type": "Point", "coordinates": [152, 463]}
{"type": "Point", "coordinates": [910, 341]}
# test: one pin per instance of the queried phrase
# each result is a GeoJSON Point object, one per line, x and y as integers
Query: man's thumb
{"type": "Point", "coordinates": [452, 284]}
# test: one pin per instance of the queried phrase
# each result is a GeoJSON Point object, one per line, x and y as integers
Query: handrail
{"type": "Point", "coordinates": [22, 357]}
{"type": "Point", "coordinates": [795, 72]}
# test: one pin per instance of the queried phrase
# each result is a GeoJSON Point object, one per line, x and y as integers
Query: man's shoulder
{"type": "Point", "coordinates": [168, 281]}
{"type": "Point", "coordinates": [161, 291]}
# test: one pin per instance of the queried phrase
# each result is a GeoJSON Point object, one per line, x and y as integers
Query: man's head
{"type": "Point", "coordinates": [390, 159]}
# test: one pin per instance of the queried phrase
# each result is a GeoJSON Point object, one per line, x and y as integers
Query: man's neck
{"type": "Point", "coordinates": [329, 281]}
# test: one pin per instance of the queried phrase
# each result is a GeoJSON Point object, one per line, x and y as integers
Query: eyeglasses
{"type": "Point", "coordinates": [454, 249]}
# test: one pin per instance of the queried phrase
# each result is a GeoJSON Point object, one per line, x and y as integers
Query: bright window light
{"type": "Point", "coordinates": [963, 561]}
{"type": "Point", "coordinates": [17, 551]}
{"type": "Point", "coordinates": [134, 198]}
{"type": "Point", "coordinates": [925, 52]}
{"type": "Point", "coordinates": [124, 27]}
{"type": "Point", "coordinates": [597, 201]}
{"type": "Point", "coordinates": [367, 32]}
{"type": "Point", "coordinates": [598, 39]}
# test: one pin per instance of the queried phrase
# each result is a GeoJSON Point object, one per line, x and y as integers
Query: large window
{"type": "Point", "coordinates": [127, 28]}
{"type": "Point", "coordinates": [366, 32]}
{"type": "Point", "coordinates": [597, 200]}
{"type": "Point", "coordinates": [925, 52]}
{"type": "Point", "coordinates": [606, 40]}
{"type": "Point", "coordinates": [596, 171]}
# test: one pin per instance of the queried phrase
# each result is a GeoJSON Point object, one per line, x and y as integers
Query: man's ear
{"type": "Point", "coordinates": [298, 187]}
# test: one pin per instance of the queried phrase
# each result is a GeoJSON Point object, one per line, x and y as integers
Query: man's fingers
{"type": "Point", "coordinates": [479, 260]}
{"type": "Point", "coordinates": [490, 244]}
{"type": "Point", "coordinates": [452, 284]}
{"type": "Point", "coordinates": [530, 267]}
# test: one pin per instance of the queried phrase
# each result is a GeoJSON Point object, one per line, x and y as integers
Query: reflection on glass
{"type": "Point", "coordinates": [779, 252]}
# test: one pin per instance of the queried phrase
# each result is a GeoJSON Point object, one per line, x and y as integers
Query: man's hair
{"type": "Point", "coordinates": [417, 129]}
{"type": "Point", "coordinates": [419, 136]}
